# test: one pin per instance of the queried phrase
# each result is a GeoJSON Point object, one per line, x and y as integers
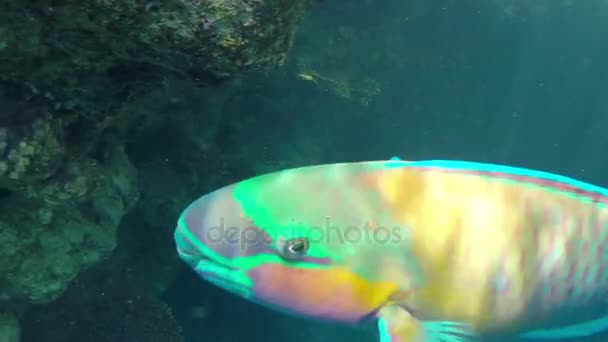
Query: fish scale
{"type": "Point", "coordinates": [566, 260]}
{"type": "Point", "coordinates": [571, 263]}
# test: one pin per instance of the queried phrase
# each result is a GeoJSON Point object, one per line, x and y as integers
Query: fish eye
{"type": "Point", "coordinates": [294, 249]}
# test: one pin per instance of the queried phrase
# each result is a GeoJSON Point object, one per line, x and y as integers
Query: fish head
{"type": "Point", "coordinates": [279, 240]}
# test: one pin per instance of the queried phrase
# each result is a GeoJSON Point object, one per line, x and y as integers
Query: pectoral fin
{"type": "Point", "coordinates": [395, 324]}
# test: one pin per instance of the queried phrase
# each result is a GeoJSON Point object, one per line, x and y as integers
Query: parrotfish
{"type": "Point", "coordinates": [427, 251]}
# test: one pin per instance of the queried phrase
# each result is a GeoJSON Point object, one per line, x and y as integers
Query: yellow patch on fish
{"type": "Point", "coordinates": [360, 294]}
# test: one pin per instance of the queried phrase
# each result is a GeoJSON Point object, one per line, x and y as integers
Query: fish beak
{"type": "Point", "coordinates": [185, 250]}
{"type": "Point", "coordinates": [214, 261]}
{"type": "Point", "coordinates": [211, 269]}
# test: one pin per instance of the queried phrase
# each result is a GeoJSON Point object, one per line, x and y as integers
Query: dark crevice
{"type": "Point", "coordinates": [5, 193]}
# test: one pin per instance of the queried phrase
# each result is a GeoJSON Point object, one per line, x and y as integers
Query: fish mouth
{"type": "Point", "coordinates": [228, 278]}
{"type": "Point", "coordinates": [210, 267]}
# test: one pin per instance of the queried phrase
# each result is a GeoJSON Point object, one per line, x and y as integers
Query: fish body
{"type": "Point", "coordinates": [433, 251]}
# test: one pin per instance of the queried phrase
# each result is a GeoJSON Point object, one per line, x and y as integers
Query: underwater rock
{"type": "Point", "coordinates": [83, 51]}
{"type": "Point", "coordinates": [89, 59]}
{"type": "Point", "coordinates": [57, 228]}
{"type": "Point", "coordinates": [59, 207]}
{"type": "Point", "coordinates": [68, 72]}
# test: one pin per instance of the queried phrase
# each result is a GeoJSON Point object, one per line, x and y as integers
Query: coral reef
{"type": "Point", "coordinates": [90, 56]}
{"type": "Point", "coordinates": [56, 228]}
{"type": "Point", "coordinates": [31, 142]}
{"type": "Point", "coordinates": [59, 210]}
{"type": "Point", "coordinates": [35, 156]}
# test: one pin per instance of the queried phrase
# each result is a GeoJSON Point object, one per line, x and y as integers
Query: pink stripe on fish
{"type": "Point", "coordinates": [594, 196]}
